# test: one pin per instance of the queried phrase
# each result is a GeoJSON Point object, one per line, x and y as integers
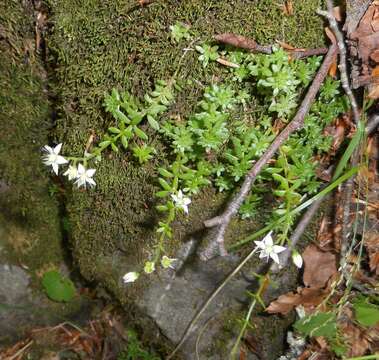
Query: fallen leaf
{"type": "Point", "coordinates": [330, 34]}
{"type": "Point", "coordinates": [337, 13]}
{"type": "Point", "coordinates": [333, 68]}
{"type": "Point", "coordinates": [310, 298]}
{"type": "Point", "coordinates": [287, 8]}
{"type": "Point", "coordinates": [374, 92]}
{"type": "Point", "coordinates": [284, 304]}
{"type": "Point", "coordinates": [354, 336]}
{"type": "Point", "coordinates": [319, 266]}
{"type": "Point", "coordinates": [371, 242]}
{"type": "Point", "coordinates": [374, 56]}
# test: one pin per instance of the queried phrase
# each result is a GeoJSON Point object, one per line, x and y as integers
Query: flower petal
{"type": "Point", "coordinates": [278, 249]}
{"type": "Point", "coordinates": [61, 160]}
{"type": "Point", "coordinates": [55, 168]}
{"type": "Point", "coordinates": [81, 169]}
{"type": "Point", "coordinates": [57, 149]}
{"type": "Point", "coordinates": [90, 172]}
{"type": "Point", "coordinates": [91, 182]}
{"type": "Point", "coordinates": [267, 240]}
{"type": "Point", "coordinates": [48, 149]}
{"type": "Point", "coordinates": [275, 257]}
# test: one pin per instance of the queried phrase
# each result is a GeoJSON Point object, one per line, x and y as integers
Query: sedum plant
{"type": "Point", "coordinates": [219, 142]}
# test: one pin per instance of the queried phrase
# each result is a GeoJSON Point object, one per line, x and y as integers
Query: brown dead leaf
{"type": "Point", "coordinates": [145, 2]}
{"type": "Point", "coordinates": [284, 304]}
{"type": "Point", "coordinates": [337, 13]}
{"type": "Point", "coordinates": [374, 92]}
{"type": "Point", "coordinates": [371, 242]}
{"type": "Point", "coordinates": [319, 266]}
{"type": "Point", "coordinates": [333, 68]}
{"type": "Point", "coordinates": [310, 298]}
{"type": "Point", "coordinates": [354, 336]}
{"type": "Point", "coordinates": [375, 20]}
{"type": "Point", "coordinates": [374, 56]}
{"type": "Point", "coordinates": [287, 8]}
{"type": "Point", "coordinates": [330, 34]}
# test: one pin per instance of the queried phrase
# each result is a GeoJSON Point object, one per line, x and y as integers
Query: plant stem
{"type": "Point", "coordinates": [222, 221]}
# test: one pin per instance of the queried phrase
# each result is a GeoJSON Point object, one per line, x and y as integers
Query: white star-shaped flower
{"type": "Point", "coordinates": [268, 249]}
{"type": "Point", "coordinates": [130, 277]}
{"type": "Point", "coordinates": [181, 202]}
{"type": "Point", "coordinates": [84, 176]}
{"type": "Point", "coordinates": [52, 157]}
{"type": "Point", "coordinates": [71, 172]}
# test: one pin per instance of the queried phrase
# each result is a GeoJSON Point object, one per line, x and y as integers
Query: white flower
{"type": "Point", "coordinates": [130, 277]}
{"type": "Point", "coordinates": [52, 157]}
{"type": "Point", "coordinates": [297, 259]}
{"type": "Point", "coordinates": [84, 176]}
{"type": "Point", "coordinates": [180, 201]}
{"type": "Point", "coordinates": [167, 262]}
{"type": "Point", "coordinates": [71, 172]}
{"type": "Point", "coordinates": [268, 249]}
{"type": "Point", "coordinates": [149, 267]}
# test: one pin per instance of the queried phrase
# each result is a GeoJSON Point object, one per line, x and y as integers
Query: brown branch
{"type": "Point", "coordinates": [251, 45]}
{"type": "Point", "coordinates": [342, 62]}
{"type": "Point", "coordinates": [349, 185]}
{"type": "Point", "coordinates": [372, 124]}
{"type": "Point", "coordinates": [222, 221]}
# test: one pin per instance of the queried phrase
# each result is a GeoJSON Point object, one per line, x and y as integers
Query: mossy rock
{"type": "Point", "coordinates": [102, 44]}
{"type": "Point", "coordinates": [29, 215]}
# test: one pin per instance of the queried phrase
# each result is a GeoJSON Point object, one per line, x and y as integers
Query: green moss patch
{"type": "Point", "coordinates": [29, 215]}
{"type": "Point", "coordinates": [98, 45]}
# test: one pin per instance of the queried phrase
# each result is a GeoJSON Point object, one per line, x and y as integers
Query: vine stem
{"type": "Point", "coordinates": [222, 221]}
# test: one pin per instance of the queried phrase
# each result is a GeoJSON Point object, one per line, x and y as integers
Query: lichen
{"type": "Point", "coordinates": [106, 43]}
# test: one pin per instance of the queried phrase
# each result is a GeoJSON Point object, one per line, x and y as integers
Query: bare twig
{"type": "Point", "coordinates": [222, 221]}
{"type": "Point", "coordinates": [342, 61]}
{"type": "Point", "coordinates": [251, 45]}
{"type": "Point", "coordinates": [349, 186]}
{"type": "Point", "coordinates": [372, 124]}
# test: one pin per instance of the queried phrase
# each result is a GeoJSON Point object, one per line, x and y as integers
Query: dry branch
{"type": "Point", "coordinates": [222, 221]}
{"type": "Point", "coordinates": [349, 186]}
{"type": "Point", "coordinates": [251, 45]}
{"type": "Point", "coordinates": [342, 61]}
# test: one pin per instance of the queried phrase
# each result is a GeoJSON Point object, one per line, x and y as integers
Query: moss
{"type": "Point", "coordinates": [102, 44]}
{"type": "Point", "coordinates": [30, 220]}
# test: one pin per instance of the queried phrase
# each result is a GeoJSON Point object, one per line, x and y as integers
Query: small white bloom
{"type": "Point", "coordinates": [71, 172]}
{"type": "Point", "coordinates": [181, 202]}
{"type": "Point", "coordinates": [130, 277]}
{"type": "Point", "coordinates": [52, 157]}
{"type": "Point", "coordinates": [149, 267]}
{"type": "Point", "coordinates": [297, 259]}
{"type": "Point", "coordinates": [167, 262]}
{"type": "Point", "coordinates": [268, 249]}
{"type": "Point", "coordinates": [84, 176]}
